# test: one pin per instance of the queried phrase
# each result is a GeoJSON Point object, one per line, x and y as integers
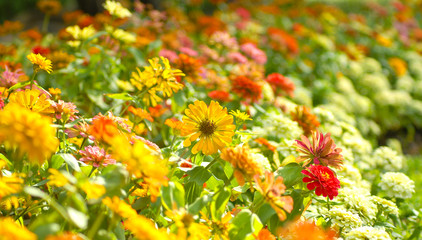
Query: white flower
{"type": "Point", "coordinates": [367, 233]}
{"type": "Point", "coordinates": [397, 185]}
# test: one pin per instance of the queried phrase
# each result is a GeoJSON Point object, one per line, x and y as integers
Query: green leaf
{"type": "Point", "coordinates": [56, 161]}
{"type": "Point", "coordinates": [199, 204]}
{"type": "Point", "coordinates": [199, 175]}
{"type": "Point", "coordinates": [245, 224]}
{"type": "Point", "coordinates": [291, 173]}
{"type": "Point", "coordinates": [35, 192]}
{"type": "Point", "coordinates": [70, 160]}
{"type": "Point", "coordinates": [78, 218]}
{"type": "Point", "coordinates": [218, 206]}
{"type": "Point", "coordinates": [19, 85]}
{"type": "Point", "coordinates": [193, 191]}
{"type": "Point", "coordinates": [173, 195]}
{"type": "Point", "coordinates": [122, 96]}
{"type": "Point", "coordinates": [42, 231]}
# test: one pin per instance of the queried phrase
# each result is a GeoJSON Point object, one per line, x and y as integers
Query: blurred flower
{"type": "Point", "coordinates": [33, 100]}
{"type": "Point", "coordinates": [264, 234]}
{"type": "Point", "coordinates": [190, 66]}
{"type": "Point", "coordinates": [116, 9]}
{"type": "Point", "coordinates": [147, 231]}
{"type": "Point", "coordinates": [64, 236]}
{"type": "Point", "coordinates": [245, 166]}
{"type": "Point", "coordinates": [32, 35]}
{"type": "Point", "coordinates": [49, 7]}
{"type": "Point", "coordinates": [399, 66]}
{"type": "Point", "coordinates": [246, 88]}
{"type": "Point", "coordinates": [306, 120]}
{"type": "Point", "coordinates": [10, 185]}
{"type": "Point", "coordinates": [96, 156]}
{"type": "Point", "coordinates": [281, 40]}
{"type": "Point", "coordinates": [123, 36]}
{"type": "Point", "coordinates": [279, 82]}
{"type": "Point", "coordinates": [11, 230]}
{"type": "Point", "coordinates": [175, 124]}
{"type": "Point", "coordinates": [387, 206]}
{"type": "Point", "coordinates": [304, 230]}
{"type": "Point", "coordinates": [103, 128]}
{"type": "Point", "coordinates": [27, 131]}
{"type": "Point", "coordinates": [397, 185]}
{"type": "Point", "coordinates": [140, 113]}
{"type": "Point", "coordinates": [253, 52]}
{"type": "Point", "coordinates": [367, 232]}
{"type": "Point", "coordinates": [44, 51]}
{"type": "Point", "coordinates": [64, 110]}
{"type": "Point", "coordinates": [55, 92]}
{"type": "Point", "coordinates": [60, 59]}
{"type": "Point", "coordinates": [10, 27]}
{"type": "Point", "coordinates": [212, 125]}
{"type": "Point", "coordinates": [81, 34]}
{"type": "Point", "coordinates": [40, 62]}
{"type": "Point", "coordinates": [120, 207]}
{"type": "Point", "coordinates": [219, 95]}
{"type": "Point", "coordinates": [187, 228]}
{"type": "Point", "coordinates": [240, 116]}
{"type": "Point", "coordinates": [56, 178]}
{"type": "Point", "coordinates": [93, 190]}
{"type": "Point", "coordinates": [272, 189]}
{"type": "Point", "coordinates": [9, 78]}
{"type": "Point", "coordinates": [236, 57]}
{"type": "Point", "coordinates": [343, 219]}
{"type": "Point", "coordinates": [266, 143]}
{"type": "Point", "coordinates": [323, 180]}
{"type": "Point", "coordinates": [322, 151]}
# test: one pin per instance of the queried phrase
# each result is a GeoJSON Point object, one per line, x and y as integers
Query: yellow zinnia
{"type": "Point", "coordinates": [40, 62]}
{"type": "Point", "coordinates": [28, 131]}
{"type": "Point", "coordinates": [33, 100]}
{"type": "Point", "coordinates": [212, 125]}
{"type": "Point", "coordinates": [11, 230]}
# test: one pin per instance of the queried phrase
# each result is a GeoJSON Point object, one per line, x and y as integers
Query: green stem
{"type": "Point", "coordinates": [94, 229]}
{"type": "Point", "coordinates": [92, 170]}
{"type": "Point", "coordinates": [32, 81]}
{"type": "Point", "coordinates": [328, 204]}
{"type": "Point", "coordinates": [45, 23]}
{"type": "Point", "coordinates": [211, 163]}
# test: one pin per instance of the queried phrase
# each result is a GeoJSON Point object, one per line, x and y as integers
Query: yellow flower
{"type": "Point", "coordinates": [399, 66]}
{"type": "Point", "coordinates": [33, 100]}
{"type": "Point", "coordinates": [242, 161]}
{"type": "Point", "coordinates": [40, 62]}
{"type": "Point", "coordinates": [28, 131]}
{"type": "Point", "coordinates": [212, 125]}
{"type": "Point", "coordinates": [11, 230]}
{"type": "Point", "coordinates": [116, 9]}
{"type": "Point", "coordinates": [119, 207]}
{"type": "Point", "coordinates": [93, 190]}
{"type": "Point", "coordinates": [187, 228]}
{"type": "Point", "coordinates": [123, 36]}
{"type": "Point", "coordinates": [10, 185]}
{"type": "Point", "coordinates": [240, 116]}
{"type": "Point", "coordinates": [81, 34]}
{"type": "Point", "coordinates": [56, 178]}
{"type": "Point", "coordinates": [144, 229]}
{"type": "Point", "coordinates": [60, 59]}
{"type": "Point", "coordinates": [141, 163]}
{"type": "Point", "coordinates": [65, 236]}
{"type": "Point", "coordinates": [156, 78]}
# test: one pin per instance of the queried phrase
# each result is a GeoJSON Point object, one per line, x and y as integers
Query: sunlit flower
{"type": "Point", "coordinates": [9, 78]}
{"type": "Point", "coordinates": [175, 124]}
{"type": "Point", "coordinates": [140, 113]}
{"type": "Point", "coordinates": [33, 100]}
{"type": "Point", "coordinates": [242, 161]}
{"type": "Point", "coordinates": [306, 120]}
{"type": "Point", "coordinates": [40, 62]}
{"type": "Point", "coordinates": [272, 189]}
{"type": "Point", "coordinates": [323, 180]}
{"type": "Point", "coordinates": [264, 234]}
{"type": "Point", "coordinates": [304, 230]}
{"type": "Point", "coordinates": [10, 185]}
{"type": "Point", "coordinates": [81, 34]}
{"type": "Point", "coordinates": [322, 151]}
{"type": "Point", "coordinates": [44, 51]}
{"type": "Point", "coordinates": [96, 156]}
{"type": "Point", "coordinates": [116, 9]}
{"type": "Point", "coordinates": [187, 228]}
{"type": "Point", "coordinates": [279, 82]}
{"type": "Point", "coordinates": [266, 143]}
{"type": "Point", "coordinates": [123, 36]}
{"type": "Point", "coordinates": [189, 66]}
{"type": "Point", "coordinates": [103, 128]}
{"type": "Point", "coordinates": [212, 125]}
{"type": "Point", "coordinates": [11, 230]}
{"type": "Point", "coordinates": [219, 95]}
{"type": "Point", "coordinates": [49, 7]}
{"type": "Point", "coordinates": [144, 229]}
{"type": "Point", "coordinates": [28, 131]}
{"type": "Point", "coordinates": [56, 178]}
{"type": "Point", "coordinates": [399, 66]}
{"type": "Point", "coordinates": [55, 92]}
{"type": "Point", "coordinates": [64, 110]}
{"type": "Point", "coordinates": [367, 232]}
{"type": "Point", "coordinates": [246, 88]}
{"type": "Point", "coordinates": [240, 116]}
{"type": "Point", "coordinates": [219, 227]}
{"type": "Point", "coordinates": [120, 207]}
{"type": "Point", "coordinates": [397, 185]}
{"type": "Point", "coordinates": [64, 236]}
{"type": "Point", "coordinates": [93, 190]}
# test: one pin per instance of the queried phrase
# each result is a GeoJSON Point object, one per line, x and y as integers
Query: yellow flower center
{"type": "Point", "coordinates": [207, 127]}
{"type": "Point", "coordinates": [325, 176]}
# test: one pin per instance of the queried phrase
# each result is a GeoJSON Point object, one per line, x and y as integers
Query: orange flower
{"type": "Point", "coordinates": [246, 88]}
{"type": "Point", "coordinates": [103, 128]}
{"type": "Point", "coordinates": [306, 120]}
{"type": "Point", "coordinates": [265, 142]}
{"type": "Point", "coordinates": [281, 40]}
{"type": "Point", "coordinates": [49, 7]}
{"type": "Point", "coordinates": [140, 113]}
{"type": "Point", "coordinates": [399, 66]}
{"type": "Point", "coordinates": [189, 66]}
{"type": "Point", "coordinates": [174, 124]}
{"type": "Point", "coordinates": [272, 192]}
{"type": "Point", "coordinates": [279, 82]}
{"type": "Point", "coordinates": [301, 230]}
{"type": "Point", "coordinates": [264, 234]}
{"type": "Point", "coordinates": [219, 95]}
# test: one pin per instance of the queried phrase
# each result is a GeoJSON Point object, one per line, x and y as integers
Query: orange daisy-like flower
{"type": "Point", "coordinates": [321, 151]}
{"type": "Point", "coordinates": [246, 88]}
{"type": "Point", "coordinates": [141, 113]}
{"type": "Point", "coordinates": [308, 121]}
{"type": "Point", "coordinates": [212, 125]}
{"type": "Point", "coordinates": [174, 124]}
{"type": "Point", "coordinates": [40, 62]}
{"type": "Point", "coordinates": [272, 190]}
{"type": "Point", "coordinates": [103, 128]}
{"type": "Point", "coordinates": [301, 230]}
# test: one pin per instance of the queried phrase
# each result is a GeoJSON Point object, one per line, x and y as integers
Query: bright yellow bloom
{"type": "Point", "coordinates": [212, 125]}
{"type": "Point", "coordinates": [157, 78]}
{"type": "Point", "coordinates": [119, 207]}
{"type": "Point", "coordinates": [11, 230]}
{"type": "Point", "coordinates": [187, 228]}
{"type": "Point", "coordinates": [116, 9]}
{"type": "Point", "coordinates": [81, 34]}
{"type": "Point", "coordinates": [93, 190]}
{"type": "Point", "coordinates": [65, 236]}
{"type": "Point", "coordinates": [141, 163]}
{"type": "Point", "coordinates": [57, 178]}
{"type": "Point", "coordinates": [240, 116]}
{"type": "Point", "coordinates": [144, 229]}
{"type": "Point", "coordinates": [242, 161]}
{"type": "Point", "coordinates": [33, 100]}
{"type": "Point", "coordinates": [399, 66]}
{"type": "Point", "coordinates": [30, 132]}
{"type": "Point", "coordinates": [10, 185]}
{"type": "Point", "coordinates": [123, 36]}
{"type": "Point", "coordinates": [40, 62]}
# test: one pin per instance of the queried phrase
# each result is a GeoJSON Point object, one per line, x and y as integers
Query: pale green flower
{"type": "Point", "coordinates": [367, 233]}
{"type": "Point", "coordinates": [397, 185]}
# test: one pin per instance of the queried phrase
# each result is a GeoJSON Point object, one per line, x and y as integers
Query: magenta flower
{"type": "Point", "coordinates": [96, 156]}
{"type": "Point", "coordinates": [322, 150]}
{"type": "Point", "coordinates": [9, 78]}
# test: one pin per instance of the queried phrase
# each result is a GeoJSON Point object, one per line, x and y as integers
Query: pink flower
{"type": "Point", "coordinates": [9, 78]}
{"type": "Point", "coordinates": [96, 156]}
{"type": "Point", "coordinates": [65, 110]}
{"type": "Point", "coordinates": [243, 13]}
{"type": "Point", "coordinates": [237, 57]}
{"type": "Point", "coordinates": [253, 52]}
{"type": "Point", "coordinates": [322, 150]}
{"type": "Point", "coordinates": [188, 51]}
{"type": "Point", "coordinates": [171, 55]}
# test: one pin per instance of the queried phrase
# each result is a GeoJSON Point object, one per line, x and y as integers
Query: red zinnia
{"type": "Point", "coordinates": [278, 81]}
{"type": "Point", "coordinates": [323, 180]}
{"type": "Point", "coordinates": [219, 95]}
{"type": "Point", "coordinates": [321, 151]}
{"type": "Point", "coordinates": [246, 88]}
{"type": "Point", "coordinates": [44, 51]}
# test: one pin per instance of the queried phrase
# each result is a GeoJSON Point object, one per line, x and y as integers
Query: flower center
{"type": "Point", "coordinates": [207, 127]}
{"type": "Point", "coordinates": [325, 175]}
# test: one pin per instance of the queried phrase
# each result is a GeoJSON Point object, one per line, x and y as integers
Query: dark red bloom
{"type": "Point", "coordinates": [44, 51]}
{"type": "Point", "coordinates": [323, 180]}
{"type": "Point", "coordinates": [219, 95]}
{"type": "Point", "coordinates": [247, 88]}
{"type": "Point", "coordinates": [279, 82]}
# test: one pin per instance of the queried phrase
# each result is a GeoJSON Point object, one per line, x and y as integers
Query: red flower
{"type": "Point", "coordinates": [246, 88]}
{"type": "Point", "coordinates": [323, 180]}
{"type": "Point", "coordinates": [44, 51]}
{"type": "Point", "coordinates": [219, 95]}
{"type": "Point", "coordinates": [322, 151]}
{"type": "Point", "coordinates": [278, 81]}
